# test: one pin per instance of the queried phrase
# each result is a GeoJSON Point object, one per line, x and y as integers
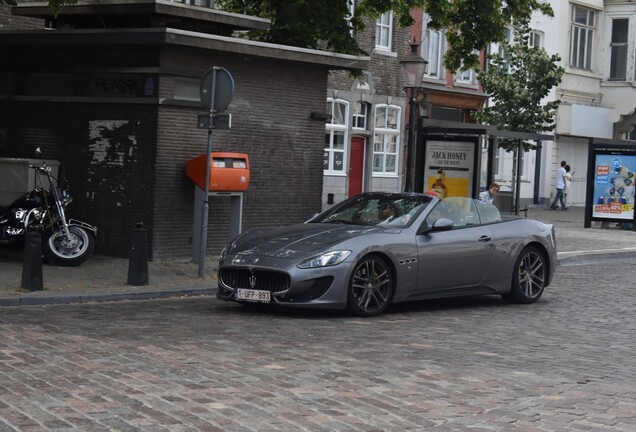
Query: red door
{"type": "Point", "coordinates": [356, 165]}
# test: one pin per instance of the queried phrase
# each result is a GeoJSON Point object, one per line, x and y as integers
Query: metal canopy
{"type": "Point", "coordinates": [451, 127]}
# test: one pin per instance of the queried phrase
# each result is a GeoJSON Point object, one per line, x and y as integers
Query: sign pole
{"type": "Point", "coordinates": [206, 205]}
{"type": "Point", "coordinates": [216, 92]}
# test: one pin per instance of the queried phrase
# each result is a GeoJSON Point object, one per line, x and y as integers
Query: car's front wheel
{"type": "Point", "coordinates": [371, 287]}
{"type": "Point", "coordinates": [529, 277]}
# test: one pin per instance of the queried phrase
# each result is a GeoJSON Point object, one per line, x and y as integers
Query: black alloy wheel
{"type": "Point", "coordinates": [371, 287]}
{"type": "Point", "coordinates": [529, 277]}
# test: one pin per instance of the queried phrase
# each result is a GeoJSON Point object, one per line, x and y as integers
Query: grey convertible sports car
{"type": "Point", "coordinates": [375, 249]}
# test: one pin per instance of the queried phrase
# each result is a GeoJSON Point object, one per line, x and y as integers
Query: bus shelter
{"type": "Point", "coordinates": [450, 152]}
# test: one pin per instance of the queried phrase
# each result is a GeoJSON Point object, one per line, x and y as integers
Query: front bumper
{"type": "Point", "coordinates": [324, 287]}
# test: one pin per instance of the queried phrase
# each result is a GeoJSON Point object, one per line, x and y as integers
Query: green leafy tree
{"type": "Point", "coordinates": [470, 24]}
{"type": "Point", "coordinates": [302, 23]}
{"type": "Point", "coordinates": [518, 83]}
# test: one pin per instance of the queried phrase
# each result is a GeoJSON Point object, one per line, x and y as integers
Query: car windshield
{"type": "Point", "coordinates": [394, 210]}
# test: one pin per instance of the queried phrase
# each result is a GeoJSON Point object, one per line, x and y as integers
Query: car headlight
{"type": "Point", "coordinates": [326, 259]}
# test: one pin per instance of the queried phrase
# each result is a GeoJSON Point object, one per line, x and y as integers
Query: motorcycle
{"type": "Point", "coordinates": [67, 242]}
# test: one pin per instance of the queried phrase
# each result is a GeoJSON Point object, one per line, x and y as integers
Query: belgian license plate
{"type": "Point", "coordinates": [253, 295]}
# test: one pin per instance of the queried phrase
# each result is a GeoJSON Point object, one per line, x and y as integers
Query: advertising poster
{"type": "Point", "coordinates": [614, 186]}
{"type": "Point", "coordinates": [449, 167]}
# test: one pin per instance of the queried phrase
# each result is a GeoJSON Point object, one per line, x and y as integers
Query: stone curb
{"type": "Point", "coordinates": [102, 297]}
{"type": "Point", "coordinates": [582, 258]}
{"type": "Point", "coordinates": [563, 259]}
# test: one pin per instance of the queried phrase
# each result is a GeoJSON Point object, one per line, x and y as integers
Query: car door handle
{"type": "Point", "coordinates": [484, 238]}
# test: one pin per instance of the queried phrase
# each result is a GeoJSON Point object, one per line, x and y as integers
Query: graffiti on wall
{"type": "Point", "coordinates": [112, 147]}
{"type": "Point", "coordinates": [111, 142]}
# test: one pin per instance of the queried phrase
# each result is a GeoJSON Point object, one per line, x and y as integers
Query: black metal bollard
{"type": "Point", "coordinates": [138, 263]}
{"type": "Point", "coordinates": [32, 264]}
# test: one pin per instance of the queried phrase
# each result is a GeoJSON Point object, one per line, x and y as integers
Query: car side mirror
{"type": "Point", "coordinates": [441, 224]}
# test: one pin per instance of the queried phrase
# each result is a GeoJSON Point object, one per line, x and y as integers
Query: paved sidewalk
{"type": "Point", "coordinates": [104, 278]}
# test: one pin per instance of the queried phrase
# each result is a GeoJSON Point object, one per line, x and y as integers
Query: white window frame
{"type": "Point", "coordinates": [466, 77]}
{"type": "Point", "coordinates": [615, 46]}
{"type": "Point", "coordinates": [501, 52]}
{"type": "Point", "coordinates": [384, 136]}
{"type": "Point", "coordinates": [384, 26]}
{"type": "Point", "coordinates": [433, 49]}
{"type": "Point", "coordinates": [359, 116]}
{"type": "Point", "coordinates": [334, 128]}
{"type": "Point", "coordinates": [536, 35]}
{"type": "Point", "coordinates": [498, 163]}
{"type": "Point", "coordinates": [582, 33]}
{"type": "Point", "coordinates": [524, 163]}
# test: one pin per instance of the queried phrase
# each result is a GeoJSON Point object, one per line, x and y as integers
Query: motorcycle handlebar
{"type": "Point", "coordinates": [44, 169]}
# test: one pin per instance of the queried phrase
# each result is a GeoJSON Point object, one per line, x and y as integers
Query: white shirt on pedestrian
{"type": "Point", "coordinates": [560, 178]}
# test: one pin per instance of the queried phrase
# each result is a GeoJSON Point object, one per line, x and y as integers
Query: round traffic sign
{"type": "Point", "coordinates": [217, 88]}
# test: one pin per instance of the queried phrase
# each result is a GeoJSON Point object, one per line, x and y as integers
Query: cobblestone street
{"type": "Point", "coordinates": [565, 363]}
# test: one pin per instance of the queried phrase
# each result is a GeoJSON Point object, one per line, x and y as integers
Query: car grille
{"type": "Point", "coordinates": [258, 279]}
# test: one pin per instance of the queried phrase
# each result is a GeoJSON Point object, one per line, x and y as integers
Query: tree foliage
{"type": "Point", "coordinates": [518, 82]}
{"type": "Point", "coordinates": [302, 23]}
{"type": "Point", "coordinates": [470, 24]}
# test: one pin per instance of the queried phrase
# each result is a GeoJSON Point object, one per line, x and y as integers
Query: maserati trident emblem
{"type": "Point", "coordinates": [252, 281]}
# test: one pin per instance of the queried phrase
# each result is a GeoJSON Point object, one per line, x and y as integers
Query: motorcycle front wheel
{"type": "Point", "coordinates": [69, 251]}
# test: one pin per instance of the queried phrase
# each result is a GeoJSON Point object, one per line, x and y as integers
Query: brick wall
{"type": "Point", "coordinates": [125, 160]}
{"type": "Point", "coordinates": [270, 122]}
{"type": "Point", "coordinates": [388, 78]}
{"type": "Point", "coordinates": [107, 152]}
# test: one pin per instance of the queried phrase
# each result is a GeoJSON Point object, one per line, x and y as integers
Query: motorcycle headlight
{"type": "Point", "coordinates": [327, 259]}
{"type": "Point", "coordinates": [66, 198]}
{"type": "Point", "coordinates": [223, 253]}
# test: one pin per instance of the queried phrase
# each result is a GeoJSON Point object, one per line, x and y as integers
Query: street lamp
{"type": "Point", "coordinates": [414, 67]}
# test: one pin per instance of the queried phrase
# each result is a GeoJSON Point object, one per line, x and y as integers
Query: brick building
{"type": "Point", "coordinates": [366, 138]}
{"type": "Point", "coordinates": [116, 100]}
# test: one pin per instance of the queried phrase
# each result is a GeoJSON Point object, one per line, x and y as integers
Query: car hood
{"type": "Point", "coordinates": [296, 241]}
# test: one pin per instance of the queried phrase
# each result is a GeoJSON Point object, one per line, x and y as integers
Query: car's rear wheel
{"type": "Point", "coordinates": [371, 287]}
{"type": "Point", "coordinates": [529, 277]}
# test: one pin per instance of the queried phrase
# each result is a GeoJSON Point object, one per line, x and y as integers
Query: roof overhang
{"type": "Point", "coordinates": [168, 36]}
{"type": "Point", "coordinates": [154, 7]}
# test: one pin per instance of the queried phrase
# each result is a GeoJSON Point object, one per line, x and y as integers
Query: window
{"type": "Point", "coordinates": [466, 76]}
{"type": "Point", "coordinates": [501, 51]}
{"type": "Point", "coordinates": [433, 49]}
{"type": "Point", "coordinates": [384, 31]}
{"type": "Point", "coordinates": [386, 137]}
{"type": "Point", "coordinates": [498, 166]}
{"type": "Point", "coordinates": [336, 136]}
{"type": "Point", "coordinates": [582, 37]}
{"type": "Point", "coordinates": [360, 115]}
{"type": "Point", "coordinates": [536, 39]}
{"type": "Point", "coordinates": [618, 61]}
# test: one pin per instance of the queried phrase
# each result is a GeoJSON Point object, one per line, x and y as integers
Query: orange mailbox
{"type": "Point", "coordinates": [228, 171]}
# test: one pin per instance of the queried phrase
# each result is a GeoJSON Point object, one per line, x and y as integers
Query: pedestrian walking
{"type": "Point", "coordinates": [568, 182]}
{"type": "Point", "coordinates": [560, 185]}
